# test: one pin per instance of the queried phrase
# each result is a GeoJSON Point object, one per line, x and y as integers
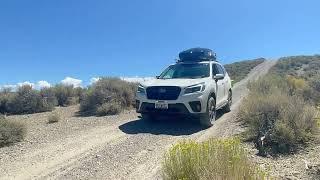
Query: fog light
{"type": "Point", "coordinates": [195, 106]}
{"type": "Point", "coordinates": [198, 107]}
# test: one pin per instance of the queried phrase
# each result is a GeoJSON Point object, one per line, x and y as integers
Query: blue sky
{"type": "Point", "coordinates": [51, 40]}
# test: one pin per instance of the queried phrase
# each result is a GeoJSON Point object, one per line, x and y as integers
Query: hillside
{"type": "Point", "coordinates": [239, 70]}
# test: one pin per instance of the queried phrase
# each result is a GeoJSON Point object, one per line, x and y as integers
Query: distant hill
{"type": "Point", "coordinates": [239, 70]}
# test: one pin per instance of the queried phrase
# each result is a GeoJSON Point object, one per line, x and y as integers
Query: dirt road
{"type": "Point", "coordinates": [115, 147]}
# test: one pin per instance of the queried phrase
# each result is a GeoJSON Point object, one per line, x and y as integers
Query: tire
{"type": "Point", "coordinates": [147, 117]}
{"type": "Point", "coordinates": [209, 117]}
{"type": "Point", "coordinates": [227, 108]}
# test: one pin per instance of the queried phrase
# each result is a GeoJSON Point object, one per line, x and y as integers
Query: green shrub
{"type": "Point", "coordinates": [108, 96]}
{"type": "Point", "coordinates": [5, 98]}
{"type": "Point", "coordinates": [11, 132]}
{"type": "Point", "coordinates": [63, 94]}
{"type": "Point", "coordinates": [49, 96]}
{"type": "Point", "coordinates": [53, 118]}
{"type": "Point", "coordinates": [27, 100]}
{"type": "Point", "coordinates": [213, 159]}
{"type": "Point", "coordinates": [277, 122]}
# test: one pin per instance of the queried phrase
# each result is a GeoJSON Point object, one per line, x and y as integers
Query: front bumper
{"type": "Point", "coordinates": [183, 105]}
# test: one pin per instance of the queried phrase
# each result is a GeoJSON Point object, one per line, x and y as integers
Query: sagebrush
{"type": "Point", "coordinates": [27, 100]}
{"type": "Point", "coordinates": [108, 96]}
{"type": "Point", "coordinates": [212, 159]}
{"type": "Point", "coordinates": [54, 118]}
{"type": "Point", "coordinates": [11, 132]}
{"type": "Point", "coordinates": [278, 115]}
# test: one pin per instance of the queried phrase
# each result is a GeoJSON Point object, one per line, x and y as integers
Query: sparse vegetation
{"type": "Point", "coordinates": [54, 118]}
{"type": "Point", "coordinates": [213, 159]}
{"type": "Point", "coordinates": [108, 96]}
{"type": "Point", "coordinates": [6, 96]}
{"type": "Point", "coordinates": [67, 95]}
{"type": "Point", "coordinates": [278, 123]}
{"type": "Point", "coordinates": [239, 70]}
{"type": "Point", "coordinates": [27, 100]}
{"type": "Point", "coordinates": [305, 68]}
{"type": "Point", "coordinates": [49, 96]}
{"type": "Point", "coordinates": [10, 132]}
{"type": "Point", "coordinates": [280, 109]}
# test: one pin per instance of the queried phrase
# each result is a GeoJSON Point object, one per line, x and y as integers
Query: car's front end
{"type": "Point", "coordinates": [186, 97]}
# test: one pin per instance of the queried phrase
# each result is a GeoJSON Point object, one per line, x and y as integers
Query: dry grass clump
{"type": "Point", "coordinates": [54, 118]}
{"type": "Point", "coordinates": [213, 159]}
{"type": "Point", "coordinates": [108, 96]}
{"type": "Point", "coordinates": [111, 108]}
{"type": "Point", "coordinates": [11, 132]}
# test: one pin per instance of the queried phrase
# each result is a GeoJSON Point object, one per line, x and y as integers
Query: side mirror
{"type": "Point", "coordinates": [218, 77]}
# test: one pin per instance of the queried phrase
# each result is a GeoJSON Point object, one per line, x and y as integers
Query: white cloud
{"type": "Point", "coordinates": [26, 83]}
{"type": "Point", "coordinates": [137, 79]}
{"type": "Point", "coordinates": [43, 84]}
{"type": "Point", "coordinates": [8, 86]}
{"type": "Point", "coordinates": [94, 80]}
{"type": "Point", "coordinates": [72, 81]}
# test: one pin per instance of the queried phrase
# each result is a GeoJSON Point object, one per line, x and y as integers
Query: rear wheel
{"type": "Point", "coordinates": [227, 108]}
{"type": "Point", "coordinates": [209, 117]}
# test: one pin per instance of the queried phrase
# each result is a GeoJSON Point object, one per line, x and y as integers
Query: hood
{"type": "Point", "coordinates": [173, 82]}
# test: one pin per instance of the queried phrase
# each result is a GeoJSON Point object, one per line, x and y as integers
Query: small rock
{"type": "Point", "coordinates": [98, 156]}
{"type": "Point", "coordinates": [295, 173]}
{"type": "Point", "coordinates": [291, 178]}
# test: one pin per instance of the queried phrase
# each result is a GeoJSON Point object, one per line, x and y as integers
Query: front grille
{"type": "Point", "coordinates": [163, 92]}
{"type": "Point", "coordinates": [178, 108]}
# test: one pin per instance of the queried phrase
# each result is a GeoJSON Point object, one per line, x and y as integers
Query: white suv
{"type": "Point", "coordinates": [193, 88]}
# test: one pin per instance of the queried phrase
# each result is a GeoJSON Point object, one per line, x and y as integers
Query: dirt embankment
{"type": "Point", "coordinates": [115, 147]}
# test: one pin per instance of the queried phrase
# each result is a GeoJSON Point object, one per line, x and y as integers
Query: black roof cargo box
{"type": "Point", "coordinates": [197, 55]}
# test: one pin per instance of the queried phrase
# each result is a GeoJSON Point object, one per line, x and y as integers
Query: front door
{"type": "Point", "coordinates": [220, 86]}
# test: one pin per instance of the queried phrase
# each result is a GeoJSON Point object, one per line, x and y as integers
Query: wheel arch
{"type": "Point", "coordinates": [212, 94]}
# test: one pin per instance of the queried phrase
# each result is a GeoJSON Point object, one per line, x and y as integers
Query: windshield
{"type": "Point", "coordinates": [192, 71]}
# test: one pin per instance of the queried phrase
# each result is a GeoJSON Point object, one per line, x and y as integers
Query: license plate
{"type": "Point", "coordinates": [161, 105]}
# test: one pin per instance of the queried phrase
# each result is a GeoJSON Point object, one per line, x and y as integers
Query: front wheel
{"type": "Point", "coordinates": [227, 108]}
{"type": "Point", "coordinates": [209, 117]}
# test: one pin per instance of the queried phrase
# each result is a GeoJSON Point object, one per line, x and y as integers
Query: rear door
{"type": "Point", "coordinates": [220, 85]}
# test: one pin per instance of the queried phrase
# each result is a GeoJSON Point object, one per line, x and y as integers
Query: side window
{"type": "Point", "coordinates": [220, 69]}
{"type": "Point", "coordinates": [215, 69]}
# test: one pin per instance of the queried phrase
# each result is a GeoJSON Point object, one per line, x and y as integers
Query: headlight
{"type": "Point", "coordinates": [141, 89]}
{"type": "Point", "coordinates": [195, 88]}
